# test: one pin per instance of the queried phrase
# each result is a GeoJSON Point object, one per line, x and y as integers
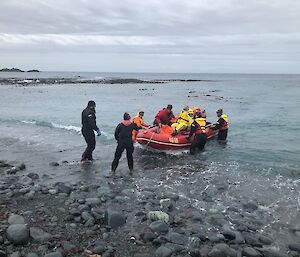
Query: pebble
{"type": "Point", "coordinates": [163, 252]}
{"type": "Point", "coordinates": [18, 234]}
{"type": "Point", "coordinates": [15, 219]}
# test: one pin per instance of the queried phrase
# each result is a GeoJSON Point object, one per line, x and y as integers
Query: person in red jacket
{"type": "Point", "coordinates": [164, 116]}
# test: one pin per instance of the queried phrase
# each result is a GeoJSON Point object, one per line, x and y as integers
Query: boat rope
{"type": "Point", "coordinates": [150, 138]}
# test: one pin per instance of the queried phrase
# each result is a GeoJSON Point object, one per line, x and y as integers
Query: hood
{"type": "Point", "coordinates": [126, 122]}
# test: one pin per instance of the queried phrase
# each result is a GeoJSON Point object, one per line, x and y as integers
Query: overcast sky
{"type": "Point", "coordinates": [255, 36]}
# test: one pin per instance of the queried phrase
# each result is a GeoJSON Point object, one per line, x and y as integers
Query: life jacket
{"type": "Point", "coordinates": [226, 123]}
{"type": "Point", "coordinates": [183, 117]}
{"type": "Point", "coordinates": [138, 120]}
{"type": "Point", "coordinates": [201, 123]}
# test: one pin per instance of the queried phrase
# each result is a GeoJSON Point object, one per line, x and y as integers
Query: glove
{"type": "Point", "coordinates": [98, 133]}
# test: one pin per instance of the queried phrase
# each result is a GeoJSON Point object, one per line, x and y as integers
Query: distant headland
{"type": "Point", "coordinates": [16, 70]}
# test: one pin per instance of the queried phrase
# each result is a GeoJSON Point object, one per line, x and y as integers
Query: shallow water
{"type": "Point", "coordinates": [260, 160]}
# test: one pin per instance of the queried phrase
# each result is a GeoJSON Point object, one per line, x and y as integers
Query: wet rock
{"type": "Point", "coordinates": [250, 252]}
{"type": "Point", "coordinates": [170, 195]}
{"type": "Point", "coordinates": [165, 204]}
{"type": "Point", "coordinates": [54, 254]}
{"type": "Point", "coordinates": [195, 242]}
{"type": "Point", "coordinates": [128, 192]}
{"type": "Point", "coordinates": [33, 175]}
{"type": "Point", "coordinates": [228, 234]}
{"type": "Point", "coordinates": [265, 240]}
{"type": "Point", "coordinates": [15, 219]}
{"type": "Point", "coordinates": [39, 235]}
{"type": "Point", "coordinates": [250, 206]}
{"type": "Point", "coordinates": [68, 247]}
{"type": "Point", "coordinates": [115, 219]}
{"type": "Point", "coordinates": [2, 254]}
{"type": "Point", "coordinates": [24, 190]}
{"type": "Point", "coordinates": [143, 255]}
{"type": "Point", "coordinates": [295, 247]}
{"type": "Point", "coordinates": [1, 240]}
{"type": "Point", "coordinates": [32, 255]}
{"type": "Point", "coordinates": [54, 164]}
{"type": "Point", "coordinates": [12, 170]}
{"type": "Point", "coordinates": [158, 215]}
{"type": "Point", "coordinates": [159, 227]}
{"type": "Point", "coordinates": [221, 250]}
{"type": "Point", "coordinates": [99, 249]}
{"type": "Point", "coordinates": [15, 254]}
{"type": "Point", "coordinates": [177, 238]}
{"type": "Point", "coordinates": [252, 240]}
{"type": "Point", "coordinates": [272, 253]}
{"type": "Point", "coordinates": [62, 188]}
{"type": "Point", "coordinates": [86, 216]}
{"type": "Point", "coordinates": [18, 234]}
{"type": "Point", "coordinates": [22, 166]}
{"type": "Point", "coordinates": [93, 201]}
{"type": "Point", "coordinates": [149, 236]}
{"type": "Point", "coordinates": [163, 251]}
{"type": "Point", "coordinates": [175, 247]}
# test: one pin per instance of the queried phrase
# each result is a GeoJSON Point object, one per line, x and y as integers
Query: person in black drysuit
{"type": "Point", "coordinates": [198, 128]}
{"type": "Point", "coordinates": [88, 120]}
{"type": "Point", "coordinates": [123, 135]}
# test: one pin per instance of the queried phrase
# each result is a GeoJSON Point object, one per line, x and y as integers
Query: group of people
{"type": "Point", "coordinates": [193, 121]}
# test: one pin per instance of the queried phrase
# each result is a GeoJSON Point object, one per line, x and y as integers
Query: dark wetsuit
{"type": "Point", "coordinates": [88, 120]}
{"type": "Point", "coordinates": [200, 138]}
{"type": "Point", "coordinates": [123, 135]}
{"type": "Point", "coordinates": [222, 135]}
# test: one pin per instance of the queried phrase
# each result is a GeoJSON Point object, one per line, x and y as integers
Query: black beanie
{"type": "Point", "coordinates": [126, 116]}
{"type": "Point", "coordinates": [91, 104]}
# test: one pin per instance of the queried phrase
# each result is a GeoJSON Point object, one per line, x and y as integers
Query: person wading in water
{"type": "Point", "coordinates": [88, 120]}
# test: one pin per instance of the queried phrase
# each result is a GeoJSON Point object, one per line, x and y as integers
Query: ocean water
{"type": "Point", "coordinates": [260, 160]}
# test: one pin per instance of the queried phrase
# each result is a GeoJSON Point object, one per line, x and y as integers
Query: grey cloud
{"type": "Point", "coordinates": [256, 32]}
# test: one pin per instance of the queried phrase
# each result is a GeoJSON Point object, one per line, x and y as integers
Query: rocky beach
{"type": "Point", "coordinates": [128, 216]}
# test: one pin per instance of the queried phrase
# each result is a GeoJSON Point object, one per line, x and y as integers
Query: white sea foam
{"type": "Point", "coordinates": [67, 127]}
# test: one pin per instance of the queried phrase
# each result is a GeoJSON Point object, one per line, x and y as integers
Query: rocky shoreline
{"type": "Point", "coordinates": [17, 70]}
{"type": "Point", "coordinates": [78, 80]}
{"type": "Point", "coordinates": [117, 217]}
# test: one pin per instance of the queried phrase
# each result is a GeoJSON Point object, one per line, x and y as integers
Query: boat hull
{"type": "Point", "coordinates": [151, 138]}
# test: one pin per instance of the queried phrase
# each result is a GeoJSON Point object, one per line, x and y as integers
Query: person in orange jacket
{"type": "Point", "coordinates": [138, 120]}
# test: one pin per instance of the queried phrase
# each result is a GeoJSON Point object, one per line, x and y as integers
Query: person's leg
{"type": "Point", "coordinates": [90, 140]}
{"type": "Point", "coordinates": [129, 152]}
{"type": "Point", "coordinates": [91, 146]}
{"type": "Point", "coordinates": [118, 154]}
{"type": "Point", "coordinates": [193, 146]}
{"type": "Point", "coordinates": [202, 141]}
{"type": "Point", "coordinates": [222, 135]}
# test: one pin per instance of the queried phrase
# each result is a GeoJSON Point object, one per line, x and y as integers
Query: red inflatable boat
{"type": "Point", "coordinates": [151, 137]}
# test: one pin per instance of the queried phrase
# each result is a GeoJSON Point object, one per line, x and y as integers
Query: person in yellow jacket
{"type": "Point", "coordinates": [182, 121]}
{"type": "Point", "coordinates": [222, 125]}
{"type": "Point", "coordinates": [138, 120]}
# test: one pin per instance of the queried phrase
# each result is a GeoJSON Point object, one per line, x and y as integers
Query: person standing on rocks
{"type": "Point", "coordinates": [123, 135]}
{"type": "Point", "coordinates": [88, 120]}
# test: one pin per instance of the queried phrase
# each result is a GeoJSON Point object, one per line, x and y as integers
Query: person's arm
{"type": "Point", "coordinates": [219, 124]}
{"type": "Point", "coordinates": [117, 132]}
{"type": "Point", "coordinates": [172, 116]}
{"type": "Point", "coordinates": [136, 127]}
{"type": "Point", "coordinates": [193, 129]}
{"type": "Point", "coordinates": [157, 119]}
{"type": "Point", "coordinates": [91, 117]}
